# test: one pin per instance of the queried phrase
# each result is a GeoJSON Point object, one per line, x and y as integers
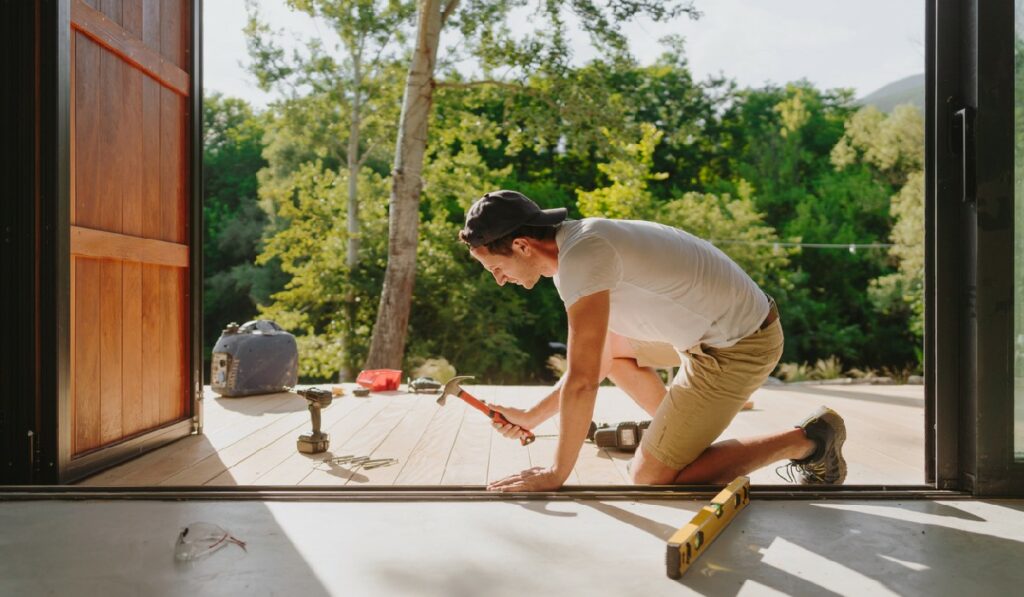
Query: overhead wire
{"type": "Point", "coordinates": [851, 247]}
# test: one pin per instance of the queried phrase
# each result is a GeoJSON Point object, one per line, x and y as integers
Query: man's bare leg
{"type": "Point", "coordinates": [642, 384]}
{"type": "Point", "coordinates": [725, 460]}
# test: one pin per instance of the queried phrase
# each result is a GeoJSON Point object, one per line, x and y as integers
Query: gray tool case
{"type": "Point", "coordinates": [257, 357]}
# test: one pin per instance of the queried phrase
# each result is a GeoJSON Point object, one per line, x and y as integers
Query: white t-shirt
{"type": "Point", "coordinates": [666, 284]}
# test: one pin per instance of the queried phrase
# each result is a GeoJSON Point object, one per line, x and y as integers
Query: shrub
{"type": "Point", "coordinates": [439, 368]}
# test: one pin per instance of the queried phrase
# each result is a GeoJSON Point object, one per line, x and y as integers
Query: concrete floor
{"type": "Point", "coordinates": [519, 548]}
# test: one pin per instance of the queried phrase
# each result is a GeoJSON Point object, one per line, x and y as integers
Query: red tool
{"type": "Point", "coordinates": [454, 388]}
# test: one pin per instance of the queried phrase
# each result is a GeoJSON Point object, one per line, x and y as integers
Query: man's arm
{"type": "Point", "coordinates": [588, 328]}
{"type": "Point", "coordinates": [548, 406]}
{"type": "Point", "coordinates": [588, 324]}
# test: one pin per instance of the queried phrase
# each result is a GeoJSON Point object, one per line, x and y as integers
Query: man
{"type": "Point", "coordinates": [640, 295]}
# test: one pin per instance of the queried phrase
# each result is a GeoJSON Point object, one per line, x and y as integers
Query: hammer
{"type": "Point", "coordinates": [454, 388]}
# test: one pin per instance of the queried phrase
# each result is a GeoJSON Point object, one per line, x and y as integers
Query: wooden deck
{"type": "Point", "coordinates": [251, 441]}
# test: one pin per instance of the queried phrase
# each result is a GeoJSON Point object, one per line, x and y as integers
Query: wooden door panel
{"type": "Point", "coordinates": [151, 352]}
{"type": "Point", "coordinates": [129, 219]}
{"type": "Point", "coordinates": [110, 352]}
{"type": "Point", "coordinates": [86, 355]}
{"type": "Point", "coordinates": [173, 208]}
{"type": "Point", "coordinates": [131, 331]}
{"type": "Point", "coordinates": [131, 356]}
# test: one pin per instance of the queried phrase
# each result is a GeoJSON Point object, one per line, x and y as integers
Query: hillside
{"type": "Point", "coordinates": [909, 90]}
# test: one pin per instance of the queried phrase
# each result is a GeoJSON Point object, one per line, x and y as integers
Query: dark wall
{"type": "Point", "coordinates": [17, 239]}
{"type": "Point", "coordinates": [29, 148]}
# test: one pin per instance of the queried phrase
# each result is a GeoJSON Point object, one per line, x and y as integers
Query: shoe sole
{"type": "Point", "coordinates": [839, 425]}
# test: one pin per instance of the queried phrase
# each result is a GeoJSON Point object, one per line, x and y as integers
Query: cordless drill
{"type": "Point", "coordinates": [623, 436]}
{"type": "Point", "coordinates": [317, 441]}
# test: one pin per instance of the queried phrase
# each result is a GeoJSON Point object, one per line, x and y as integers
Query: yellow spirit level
{"type": "Point", "coordinates": [686, 544]}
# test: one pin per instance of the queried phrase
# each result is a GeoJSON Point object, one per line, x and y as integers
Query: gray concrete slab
{"type": "Point", "coordinates": [512, 548]}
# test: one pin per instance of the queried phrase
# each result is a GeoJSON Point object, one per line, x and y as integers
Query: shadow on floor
{"type": "Point", "coordinates": [877, 548]}
{"type": "Point", "coordinates": [128, 548]}
{"type": "Point", "coordinates": [260, 404]}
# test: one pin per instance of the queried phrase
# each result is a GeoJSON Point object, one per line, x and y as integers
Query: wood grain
{"type": "Point", "coordinates": [297, 466]}
{"type": "Point", "coordinates": [252, 440]}
{"type": "Point", "coordinates": [399, 444]}
{"type": "Point", "coordinates": [363, 442]}
{"type": "Point", "coordinates": [130, 283]}
{"type": "Point", "coordinates": [112, 9]}
{"type": "Point", "coordinates": [429, 458]}
{"type": "Point", "coordinates": [262, 466]}
{"type": "Point", "coordinates": [174, 31]}
{"type": "Point", "coordinates": [87, 132]}
{"type": "Point", "coordinates": [152, 347]}
{"type": "Point", "coordinates": [101, 244]}
{"type": "Point", "coordinates": [87, 356]}
{"type": "Point", "coordinates": [109, 34]}
{"type": "Point", "coordinates": [110, 378]}
{"type": "Point", "coordinates": [229, 425]}
{"type": "Point", "coordinates": [467, 463]}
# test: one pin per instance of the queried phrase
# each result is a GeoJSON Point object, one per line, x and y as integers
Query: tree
{"type": "Point", "coordinates": [733, 223]}
{"type": "Point", "coordinates": [234, 223]}
{"type": "Point", "coordinates": [893, 147]}
{"type": "Point", "coordinates": [482, 25]}
{"type": "Point", "coordinates": [369, 32]}
{"type": "Point", "coordinates": [346, 97]}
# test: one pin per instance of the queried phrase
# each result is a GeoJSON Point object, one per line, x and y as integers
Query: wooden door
{"type": "Point", "coordinates": [130, 197]}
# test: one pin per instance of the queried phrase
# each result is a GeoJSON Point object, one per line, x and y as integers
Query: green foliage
{"type": "Point", "coordinates": [439, 369]}
{"type": "Point", "coordinates": [748, 169]}
{"type": "Point", "coordinates": [454, 300]}
{"type": "Point", "coordinates": [627, 197]}
{"type": "Point", "coordinates": [893, 147]}
{"type": "Point", "coordinates": [827, 368]}
{"type": "Point", "coordinates": [732, 223]}
{"type": "Point", "coordinates": [309, 209]}
{"type": "Point", "coordinates": [792, 372]}
{"type": "Point", "coordinates": [233, 222]}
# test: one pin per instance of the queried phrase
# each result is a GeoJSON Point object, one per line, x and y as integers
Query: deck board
{"type": "Point", "coordinates": [252, 440]}
{"type": "Point", "coordinates": [426, 463]}
{"type": "Point", "coordinates": [296, 466]}
{"type": "Point", "coordinates": [363, 442]}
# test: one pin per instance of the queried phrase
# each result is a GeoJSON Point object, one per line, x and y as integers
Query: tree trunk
{"type": "Point", "coordinates": [353, 165]}
{"type": "Point", "coordinates": [387, 346]}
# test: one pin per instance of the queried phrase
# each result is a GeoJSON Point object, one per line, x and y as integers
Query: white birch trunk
{"type": "Point", "coordinates": [353, 165]}
{"type": "Point", "coordinates": [387, 346]}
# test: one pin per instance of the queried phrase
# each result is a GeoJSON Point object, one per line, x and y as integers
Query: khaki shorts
{"type": "Point", "coordinates": [710, 389]}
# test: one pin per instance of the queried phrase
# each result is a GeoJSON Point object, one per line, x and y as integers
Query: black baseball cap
{"type": "Point", "coordinates": [500, 212]}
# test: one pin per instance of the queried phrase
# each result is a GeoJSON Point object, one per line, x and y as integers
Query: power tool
{"type": "Point", "coordinates": [317, 441]}
{"type": "Point", "coordinates": [623, 436]}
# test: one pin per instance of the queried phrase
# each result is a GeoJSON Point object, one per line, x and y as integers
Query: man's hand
{"type": "Point", "coordinates": [518, 420]}
{"type": "Point", "coordinates": [532, 479]}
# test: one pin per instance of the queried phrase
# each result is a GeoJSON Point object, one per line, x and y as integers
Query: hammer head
{"type": "Point", "coordinates": [453, 387]}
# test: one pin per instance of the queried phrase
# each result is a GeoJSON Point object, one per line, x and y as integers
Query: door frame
{"type": "Point", "coordinates": [990, 80]}
{"type": "Point", "coordinates": [969, 173]}
{"type": "Point", "coordinates": [968, 277]}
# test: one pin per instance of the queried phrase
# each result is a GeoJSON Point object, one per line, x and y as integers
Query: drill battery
{"type": "Point", "coordinates": [623, 436]}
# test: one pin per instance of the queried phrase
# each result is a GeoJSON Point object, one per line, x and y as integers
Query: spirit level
{"type": "Point", "coordinates": [686, 544]}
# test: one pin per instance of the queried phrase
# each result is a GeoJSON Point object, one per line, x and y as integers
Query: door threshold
{"type": "Point", "coordinates": [473, 493]}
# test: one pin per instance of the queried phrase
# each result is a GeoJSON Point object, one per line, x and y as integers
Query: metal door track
{"type": "Point", "coordinates": [467, 493]}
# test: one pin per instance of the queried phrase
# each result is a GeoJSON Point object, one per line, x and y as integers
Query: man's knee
{"type": "Point", "coordinates": [645, 469]}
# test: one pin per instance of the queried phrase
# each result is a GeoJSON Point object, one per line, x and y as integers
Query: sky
{"type": "Point", "coordinates": [861, 45]}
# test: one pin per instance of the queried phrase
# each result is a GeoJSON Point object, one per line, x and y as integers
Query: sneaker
{"type": "Point", "coordinates": [826, 466]}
